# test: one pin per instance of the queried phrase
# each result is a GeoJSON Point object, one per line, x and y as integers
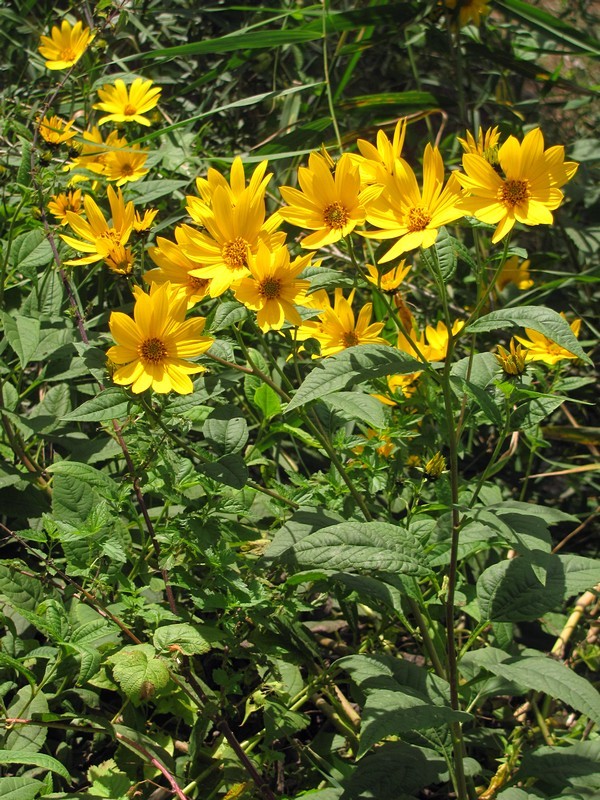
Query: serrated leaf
{"type": "Point", "coordinates": [19, 788]}
{"type": "Point", "coordinates": [226, 428]}
{"type": "Point", "coordinates": [20, 591]}
{"type": "Point", "coordinates": [359, 406]}
{"type": "Point", "coordinates": [23, 335]}
{"type": "Point", "coordinates": [139, 673]}
{"type": "Point", "coordinates": [353, 365]}
{"type": "Point", "coordinates": [267, 401]}
{"type": "Point", "coordinates": [86, 475]}
{"type": "Point", "coordinates": [230, 470]}
{"type": "Point", "coordinates": [185, 638]}
{"type": "Point", "coordinates": [538, 318]}
{"type": "Point", "coordinates": [555, 768]}
{"type": "Point", "coordinates": [35, 759]}
{"type": "Point", "coordinates": [441, 258]}
{"type": "Point", "coordinates": [30, 738]}
{"type": "Point", "coordinates": [395, 768]}
{"type": "Point", "coordinates": [148, 191]}
{"type": "Point", "coordinates": [229, 313]}
{"type": "Point", "coordinates": [31, 250]}
{"type": "Point", "coordinates": [111, 403]}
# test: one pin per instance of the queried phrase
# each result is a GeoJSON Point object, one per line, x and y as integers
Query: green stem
{"type": "Point", "coordinates": [327, 80]}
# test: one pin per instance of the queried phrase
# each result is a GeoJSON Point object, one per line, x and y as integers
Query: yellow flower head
{"type": "Point", "coordinates": [540, 348]}
{"type": "Point", "coordinates": [469, 10]}
{"type": "Point", "coordinates": [126, 164]}
{"type": "Point", "coordinates": [127, 104]}
{"type": "Point", "coordinates": [513, 272]}
{"type": "Point", "coordinates": [65, 201]}
{"type": "Point", "coordinates": [273, 287]}
{"type": "Point", "coordinates": [389, 281]}
{"type": "Point", "coordinates": [176, 268]}
{"type": "Point", "coordinates": [142, 224]}
{"type": "Point", "coordinates": [97, 236]}
{"type": "Point", "coordinates": [65, 45]}
{"type": "Point", "coordinates": [337, 329]}
{"type": "Point", "coordinates": [529, 190]}
{"type": "Point", "coordinates": [434, 468]}
{"type": "Point", "coordinates": [486, 144]}
{"type": "Point", "coordinates": [198, 206]}
{"type": "Point", "coordinates": [94, 151]}
{"type": "Point", "coordinates": [154, 346]}
{"type": "Point", "coordinates": [55, 130]}
{"type": "Point", "coordinates": [399, 386]}
{"type": "Point", "coordinates": [410, 215]}
{"type": "Point", "coordinates": [330, 205]}
{"type": "Point", "coordinates": [513, 360]}
{"type": "Point", "coordinates": [384, 445]}
{"type": "Point", "coordinates": [118, 258]}
{"type": "Point", "coordinates": [376, 163]}
{"type": "Point", "coordinates": [432, 343]}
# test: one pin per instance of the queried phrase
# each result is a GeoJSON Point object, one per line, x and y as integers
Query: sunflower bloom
{"type": "Point", "coordinates": [142, 224]}
{"type": "Point", "coordinates": [337, 328]}
{"type": "Point", "coordinates": [541, 348]}
{"type": "Point", "coordinates": [389, 281]}
{"type": "Point", "coordinates": [198, 206]}
{"type": "Point", "coordinates": [332, 206]}
{"type": "Point", "coordinates": [273, 288]}
{"type": "Point", "coordinates": [55, 130]}
{"type": "Point", "coordinates": [65, 201]}
{"type": "Point", "coordinates": [486, 144]}
{"type": "Point", "coordinates": [512, 360]}
{"type": "Point", "coordinates": [529, 190]}
{"type": "Point", "coordinates": [376, 163]}
{"type": "Point", "coordinates": [127, 105]}
{"type": "Point", "coordinates": [175, 268]}
{"type": "Point", "coordinates": [126, 164]}
{"type": "Point", "coordinates": [432, 343]}
{"type": "Point", "coordinates": [516, 273]}
{"type": "Point", "coordinates": [118, 258]}
{"type": "Point", "coordinates": [65, 45]}
{"type": "Point", "coordinates": [154, 346]}
{"type": "Point", "coordinates": [97, 236]}
{"type": "Point", "coordinates": [399, 387]}
{"type": "Point", "coordinates": [469, 10]}
{"type": "Point", "coordinates": [410, 215]}
{"type": "Point", "coordinates": [94, 151]}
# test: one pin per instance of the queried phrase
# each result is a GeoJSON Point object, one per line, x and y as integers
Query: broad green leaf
{"type": "Point", "coordinates": [358, 547]}
{"type": "Point", "coordinates": [23, 335]}
{"type": "Point", "coordinates": [574, 764]}
{"type": "Point", "coordinates": [111, 403]}
{"type": "Point", "coordinates": [20, 590]}
{"type": "Point", "coordinates": [107, 780]}
{"type": "Point", "coordinates": [227, 314]}
{"type": "Point", "coordinates": [517, 794]}
{"type": "Point", "coordinates": [226, 428]}
{"type": "Point", "coordinates": [230, 469]}
{"type": "Point", "coordinates": [86, 475]}
{"type": "Point", "coordinates": [441, 258]}
{"type": "Point", "coordinates": [393, 769]}
{"type": "Point", "coordinates": [479, 370]}
{"type": "Point", "coordinates": [541, 673]}
{"type": "Point", "coordinates": [188, 639]}
{"type": "Point", "coordinates": [148, 191]}
{"type": "Point", "coordinates": [139, 673]}
{"type": "Point", "coordinates": [538, 318]}
{"type": "Point", "coordinates": [27, 702]}
{"type": "Point", "coordinates": [19, 788]}
{"type": "Point", "coordinates": [9, 661]}
{"type": "Point", "coordinates": [552, 25]}
{"type": "Point", "coordinates": [36, 760]}
{"type": "Point", "coordinates": [72, 499]}
{"type": "Point", "coordinates": [356, 405]}
{"type": "Point", "coordinates": [267, 401]}
{"type": "Point", "coordinates": [30, 250]}
{"type": "Point", "coordinates": [56, 404]}
{"type": "Point", "coordinates": [581, 573]}
{"type": "Point", "coordinates": [301, 524]}
{"type": "Point", "coordinates": [353, 365]}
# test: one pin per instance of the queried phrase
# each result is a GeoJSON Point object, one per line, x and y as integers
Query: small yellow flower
{"type": "Point", "coordinates": [469, 10]}
{"type": "Point", "coordinates": [65, 45]}
{"type": "Point", "coordinates": [97, 236]}
{"type": "Point", "coordinates": [65, 201]}
{"type": "Point", "coordinates": [432, 344]}
{"type": "Point", "coordinates": [55, 130]}
{"type": "Point", "coordinates": [400, 386]}
{"type": "Point", "coordinates": [154, 347]}
{"type": "Point", "coordinates": [513, 272]}
{"type": "Point", "coordinates": [176, 268]}
{"type": "Point", "coordinates": [389, 281]}
{"type": "Point", "coordinates": [513, 360]}
{"type": "Point", "coordinates": [273, 288]}
{"type": "Point", "coordinates": [236, 186]}
{"type": "Point", "coordinates": [376, 163]}
{"type": "Point", "coordinates": [385, 447]}
{"type": "Point", "coordinates": [119, 259]}
{"type": "Point", "coordinates": [434, 468]}
{"type": "Point", "coordinates": [93, 151]}
{"type": "Point", "coordinates": [486, 144]}
{"type": "Point", "coordinates": [126, 164]}
{"type": "Point", "coordinates": [541, 348]}
{"type": "Point", "coordinates": [142, 224]}
{"type": "Point", "coordinates": [127, 105]}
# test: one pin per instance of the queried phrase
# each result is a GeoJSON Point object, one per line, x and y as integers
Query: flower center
{"type": "Point", "coordinates": [153, 350]}
{"type": "Point", "coordinates": [126, 170]}
{"type": "Point", "coordinates": [199, 284]}
{"type": "Point", "coordinates": [335, 215]}
{"type": "Point", "coordinates": [511, 193]}
{"type": "Point", "coordinates": [235, 253]}
{"type": "Point", "coordinates": [67, 54]}
{"type": "Point", "coordinates": [350, 339]}
{"type": "Point", "coordinates": [270, 288]}
{"type": "Point", "coordinates": [418, 219]}
{"type": "Point", "coordinates": [112, 234]}
{"type": "Point", "coordinates": [129, 110]}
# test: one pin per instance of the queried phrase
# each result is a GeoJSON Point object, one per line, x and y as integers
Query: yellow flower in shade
{"type": "Point", "coordinates": [126, 164]}
{"type": "Point", "coordinates": [434, 468]}
{"type": "Point", "coordinates": [94, 151]}
{"type": "Point", "coordinates": [118, 258]}
{"type": "Point", "coordinates": [540, 348]}
{"type": "Point", "coordinates": [512, 360]}
{"type": "Point", "coordinates": [154, 346]}
{"type": "Point", "coordinates": [513, 272]}
{"type": "Point", "coordinates": [65, 201]}
{"type": "Point", "coordinates": [337, 328]}
{"type": "Point", "coordinates": [273, 287]}
{"type": "Point", "coordinates": [432, 343]}
{"type": "Point", "coordinates": [236, 186]}
{"type": "Point", "coordinates": [400, 387]}
{"type": "Point", "coordinates": [97, 236]}
{"type": "Point", "coordinates": [65, 45]}
{"type": "Point", "coordinates": [330, 205]}
{"type": "Point", "coordinates": [486, 144]}
{"type": "Point", "coordinates": [127, 105]}
{"type": "Point", "coordinates": [232, 232]}
{"type": "Point", "coordinates": [376, 163]}
{"type": "Point", "coordinates": [410, 215]}
{"type": "Point", "coordinates": [469, 10]}
{"type": "Point", "coordinates": [384, 445]}
{"type": "Point", "coordinates": [176, 268]}
{"type": "Point", "coordinates": [142, 224]}
{"type": "Point", "coordinates": [389, 281]}
{"type": "Point", "coordinates": [529, 190]}
{"type": "Point", "coordinates": [55, 130]}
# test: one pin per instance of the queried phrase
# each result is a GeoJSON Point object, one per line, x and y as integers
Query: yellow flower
{"type": "Point", "coordinates": [127, 105]}
{"type": "Point", "coordinates": [376, 163]}
{"type": "Point", "coordinates": [97, 235]}
{"type": "Point", "coordinates": [273, 288]}
{"type": "Point", "coordinates": [330, 205]}
{"type": "Point", "coordinates": [141, 224]}
{"type": "Point", "coordinates": [413, 217]}
{"type": "Point", "coordinates": [432, 343]}
{"type": "Point", "coordinates": [486, 144]}
{"type": "Point", "coordinates": [513, 272]}
{"type": "Point", "coordinates": [385, 447]}
{"type": "Point", "coordinates": [528, 193]}
{"type": "Point", "coordinates": [65, 45]}
{"type": "Point", "coordinates": [154, 346]}
{"type": "Point", "coordinates": [435, 466]}
{"type": "Point", "coordinates": [118, 258]}
{"type": "Point", "coordinates": [94, 151]}
{"type": "Point", "coordinates": [389, 281]}
{"type": "Point", "coordinates": [198, 206]}
{"type": "Point", "coordinates": [337, 329]}
{"type": "Point", "coordinates": [469, 10]}
{"type": "Point", "coordinates": [65, 201]}
{"type": "Point", "coordinates": [513, 360]}
{"type": "Point", "coordinates": [540, 348]}
{"type": "Point", "coordinates": [126, 165]}
{"type": "Point", "coordinates": [55, 130]}
{"type": "Point", "coordinates": [232, 232]}
{"type": "Point", "coordinates": [176, 268]}
{"type": "Point", "coordinates": [399, 386]}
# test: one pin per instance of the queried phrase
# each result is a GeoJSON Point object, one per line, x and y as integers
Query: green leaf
{"type": "Point", "coordinates": [356, 405]}
{"type": "Point", "coordinates": [227, 314]}
{"type": "Point", "coordinates": [23, 335]}
{"type": "Point", "coordinates": [538, 318]}
{"type": "Point", "coordinates": [395, 767]}
{"type": "Point", "coordinates": [86, 475]}
{"type": "Point", "coordinates": [230, 469]}
{"type": "Point", "coordinates": [107, 780]}
{"type": "Point", "coordinates": [111, 403]}
{"type": "Point", "coordinates": [72, 499]}
{"type": "Point", "coordinates": [555, 768]}
{"type": "Point", "coordinates": [580, 573]}
{"type": "Point", "coordinates": [441, 258]}
{"type": "Point", "coordinates": [358, 547]}
{"type": "Point", "coordinates": [139, 673]}
{"type": "Point", "coordinates": [353, 365]}
{"type": "Point", "coordinates": [226, 428]}
{"type": "Point", "coordinates": [31, 250]}
{"type": "Point", "coordinates": [20, 591]}
{"type": "Point", "coordinates": [541, 673]}
{"type": "Point", "coordinates": [267, 401]}
{"type": "Point", "coordinates": [148, 191]}
{"type": "Point", "coordinates": [19, 788]}
{"type": "Point", "coordinates": [30, 738]}
{"type": "Point", "coordinates": [188, 639]}
{"type": "Point", "coordinates": [35, 759]}
{"type": "Point", "coordinates": [301, 524]}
